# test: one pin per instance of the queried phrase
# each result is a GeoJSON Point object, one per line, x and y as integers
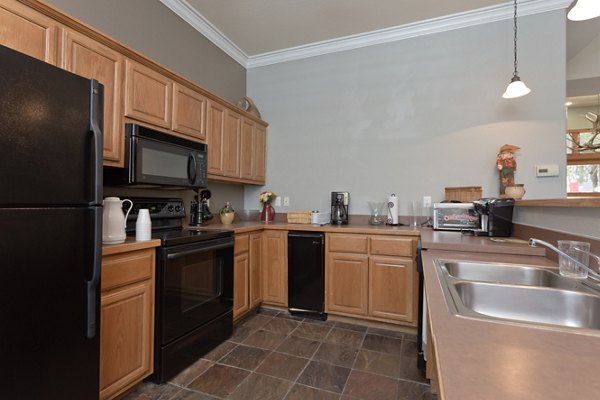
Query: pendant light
{"type": "Point", "coordinates": [584, 9]}
{"type": "Point", "coordinates": [516, 88]}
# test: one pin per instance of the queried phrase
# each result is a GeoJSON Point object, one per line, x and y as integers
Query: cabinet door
{"type": "Point", "coordinates": [231, 144]}
{"type": "Point", "coordinates": [391, 288]}
{"type": "Point", "coordinates": [259, 156]}
{"type": "Point", "coordinates": [255, 269]}
{"type": "Point", "coordinates": [346, 283]}
{"type": "Point", "coordinates": [126, 338]}
{"type": "Point", "coordinates": [274, 267]}
{"type": "Point", "coordinates": [93, 60]}
{"type": "Point", "coordinates": [241, 265]}
{"type": "Point", "coordinates": [147, 95]}
{"type": "Point", "coordinates": [189, 112]}
{"type": "Point", "coordinates": [253, 151]}
{"type": "Point", "coordinates": [214, 137]}
{"type": "Point", "coordinates": [247, 144]}
{"type": "Point", "coordinates": [28, 31]}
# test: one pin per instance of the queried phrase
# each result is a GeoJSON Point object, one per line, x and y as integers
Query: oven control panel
{"type": "Point", "coordinates": [158, 208]}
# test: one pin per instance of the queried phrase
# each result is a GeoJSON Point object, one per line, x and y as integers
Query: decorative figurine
{"type": "Point", "coordinates": [507, 165]}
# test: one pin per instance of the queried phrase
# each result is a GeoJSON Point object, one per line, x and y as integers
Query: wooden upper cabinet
{"type": "Point", "coordinates": [90, 59]}
{"type": "Point", "coordinates": [189, 112]}
{"type": "Point", "coordinates": [253, 151]}
{"type": "Point", "coordinates": [231, 144]}
{"type": "Point", "coordinates": [147, 95]}
{"type": "Point", "coordinates": [28, 31]}
{"type": "Point", "coordinates": [214, 137]}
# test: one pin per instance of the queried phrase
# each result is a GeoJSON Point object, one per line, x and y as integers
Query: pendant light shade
{"type": "Point", "coordinates": [584, 9]}
{"type": "Point", "coordinates": [516, 88]}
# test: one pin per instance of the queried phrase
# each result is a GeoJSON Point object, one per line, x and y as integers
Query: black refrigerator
{"type": "Point", "coordinates": [50, 230]}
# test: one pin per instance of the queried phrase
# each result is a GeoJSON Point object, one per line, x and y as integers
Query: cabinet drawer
{"type": "Point", "coordinates": [391, 246]}
{"type": "Point", "coordinates": [241, 243]}
{"type": "Point", "coordinates": [126, 268]}
{"type": "Point", "coordinates": [347, 243]}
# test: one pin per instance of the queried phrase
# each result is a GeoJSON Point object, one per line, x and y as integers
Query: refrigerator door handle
{"type": "Point", "coordinates": [94, 282]}
{"type": "Point", "coordinates": [96, 99]}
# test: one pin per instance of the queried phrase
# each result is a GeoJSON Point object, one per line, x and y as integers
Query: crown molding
{"type": "Point", "coordinates": [186, 12]}
{"type": "Point", "coordinates": [436, 25]}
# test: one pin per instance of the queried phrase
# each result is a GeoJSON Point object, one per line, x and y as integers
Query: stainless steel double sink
{"type": "Point", "coordinates": [522, 294]}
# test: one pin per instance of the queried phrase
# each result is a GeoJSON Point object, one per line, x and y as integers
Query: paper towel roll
{"type": "Point", "coordinates": [393, 210]}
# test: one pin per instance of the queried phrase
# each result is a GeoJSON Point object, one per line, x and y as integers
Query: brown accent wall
{"type": "Point", "coordinates": [150, 28]}
{"type": "Point", "coordinates": [550, 236]}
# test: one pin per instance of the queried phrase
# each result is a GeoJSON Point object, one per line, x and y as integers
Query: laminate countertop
{"type": "Point", "coordinates": [479, 359]}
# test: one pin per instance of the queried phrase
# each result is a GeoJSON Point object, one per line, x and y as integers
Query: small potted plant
{"type": "Point", "coordinates": [227, 214]}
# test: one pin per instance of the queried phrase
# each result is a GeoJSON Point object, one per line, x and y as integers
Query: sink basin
{"type": "Point", "coordinates": [514, 293]}
{"type": "Point", "coordinates": [537, 305]}
{"type": "Point", "coordinates": [510, 274]}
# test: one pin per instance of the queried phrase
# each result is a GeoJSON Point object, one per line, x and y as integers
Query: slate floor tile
{"type": "Point", "coordinates": [218, 352]}
{"type": "Point", "coordinates": [377, 363]}
{"type": "Point", "coordinates": [413, 391]}
{"type": "Point", "coordinates": [336, 354]}
{"type": "Point", "coordinates": [186, 376]}
{"type": "Point", "coordinates": [245, 357]}
{"type": "Point", "coordinates": [312, 331]}
{"type": "Point", "coordinates": [301, 392]}
{"type": "Point", "coordinates": [325, 376]}
{"type": "Point", "coordinates": [383, 344]}
{"type": "Point", "coordinates": [151, 391]}
{"type": "Point", "coordinates": [263, 387]}
{"type": "Point", "coordinates": [367, 386]}
{"type": "Point", "coordinates": [281, 325]}
{"type": "Point", "coordinates": [346, 337]}
{"type": "Point", "coordinates": [283, 366]}
{"type": "Point", "coordinates": [264, 339]}
{"type": "Point", "coordinates": [219, 380]}
{"type": "Point", "coordinates": [257, 321]}
{"type": "Point", "coordinates": [298, 346]}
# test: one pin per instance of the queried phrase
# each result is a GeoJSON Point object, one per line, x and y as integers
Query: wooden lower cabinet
{"type": "Point", "coordinates": [372, 276]}
{"type": "Point", "coordinates": [247, 275]}
{"type": "Point", "coordinates": [391, 288]}
{"type": "Point", "coordinates": [346, 287]}
{"type": "Point", "coordinates": [274, 267]}
{"type": "Point", "coordinates": [126, 321]}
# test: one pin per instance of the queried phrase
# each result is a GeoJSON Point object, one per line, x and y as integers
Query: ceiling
{"type": "Point", "coordinates": [262, 32]}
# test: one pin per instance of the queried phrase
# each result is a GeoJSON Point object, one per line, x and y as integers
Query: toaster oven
{"type": "Point", "coordinates": [456, 217]}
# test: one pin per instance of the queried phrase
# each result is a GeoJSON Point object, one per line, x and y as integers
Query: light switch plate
{"type": "Point", "coordinates": [542, 171]}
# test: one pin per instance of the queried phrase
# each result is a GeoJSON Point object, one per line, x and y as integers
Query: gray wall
{"type": "Point", "coordinates": [414, 116]}
{"type": "Point", "coordinates": [150, 28]}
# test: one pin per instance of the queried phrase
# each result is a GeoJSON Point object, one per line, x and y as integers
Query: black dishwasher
{"type": "Point", "coordinates": [306, 274]}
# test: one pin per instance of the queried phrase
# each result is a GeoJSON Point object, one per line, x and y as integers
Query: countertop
{"type": "Point", "coordinates": [130, 244]}
{"type": "Point", "coordinates": [365, 228]}
{"type": "Point", "coordinates": [489, 360]}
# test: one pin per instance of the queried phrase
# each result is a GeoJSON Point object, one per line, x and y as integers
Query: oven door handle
{"type": "Point", "coordinates": [219, 246]}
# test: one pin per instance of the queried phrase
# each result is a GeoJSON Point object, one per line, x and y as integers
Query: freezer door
{"type": "Point", "coordinates": [46, 264]}
{"type": "Point", "coordinates": [48, 148]}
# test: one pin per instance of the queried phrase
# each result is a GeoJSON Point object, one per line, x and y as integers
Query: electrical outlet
{"type": "Point", "coordinates": [286, 201]}
{"type": "Point", "coordinates": [426, 201]}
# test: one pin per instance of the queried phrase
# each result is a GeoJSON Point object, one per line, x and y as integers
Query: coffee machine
{"type": "Point", "coordinates": [339, 207]}
{"type": "Point", "coordinates": [495, 216]}
{"type": "Point", "coordinates": [200, 213]}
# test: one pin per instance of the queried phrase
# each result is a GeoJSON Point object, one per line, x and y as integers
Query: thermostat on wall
{"type": "Point", "coordinates": [542, 171]}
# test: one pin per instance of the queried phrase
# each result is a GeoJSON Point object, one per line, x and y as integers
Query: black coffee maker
{"type": "Point", "coordinates": [339, 207]}
{"type": "Point", "coordinates": [495, 216]}
{"type": "Point", "coordinates": [200, 213]}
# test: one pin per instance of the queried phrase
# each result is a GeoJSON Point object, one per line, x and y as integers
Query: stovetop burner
{"type": "Point", "coordinates": [166, 216]}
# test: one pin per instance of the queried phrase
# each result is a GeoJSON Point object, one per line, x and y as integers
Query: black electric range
{"type": "Point", "coordinates": [166, 216]}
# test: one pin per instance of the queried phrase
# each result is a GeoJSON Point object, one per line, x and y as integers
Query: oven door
{"type": "Point", "coordinates": [195, 286]}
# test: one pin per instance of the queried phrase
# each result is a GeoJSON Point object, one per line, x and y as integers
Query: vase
{"type": "Point", "coordinates": [268, 213]}
{"type": "Point", "coordinates": [515, 191]}
{"type": "Point", "coordinates": [227, 218]}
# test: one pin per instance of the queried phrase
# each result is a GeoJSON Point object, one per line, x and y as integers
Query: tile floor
{"type": "Point", "coordinates": [274, 356]}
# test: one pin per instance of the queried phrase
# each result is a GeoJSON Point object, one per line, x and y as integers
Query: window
{"type": "Point", "coordinates": [583, 162]}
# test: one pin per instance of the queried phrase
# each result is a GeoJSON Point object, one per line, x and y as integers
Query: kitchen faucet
{"type": "Point", "coordinates": [534, 242]}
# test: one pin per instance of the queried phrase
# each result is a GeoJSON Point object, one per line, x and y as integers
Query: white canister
{"type": "Point", "coordinates": [143, 226]}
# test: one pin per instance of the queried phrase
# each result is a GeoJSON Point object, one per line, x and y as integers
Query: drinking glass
{"type": "Point", "coordinates": [567, 267]}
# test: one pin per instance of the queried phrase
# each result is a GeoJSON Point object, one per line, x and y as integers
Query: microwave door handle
{"type": "Point", "coordinates": [192, 168]}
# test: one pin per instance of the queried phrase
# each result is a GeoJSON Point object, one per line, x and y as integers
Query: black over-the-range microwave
{"type": "Point", "coordinates": [154, 158]}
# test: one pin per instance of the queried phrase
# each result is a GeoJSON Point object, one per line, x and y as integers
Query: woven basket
{"type": "Point", "coordinates": [463, 194]}
{"type": "Point", "coordinates": [298, 217]}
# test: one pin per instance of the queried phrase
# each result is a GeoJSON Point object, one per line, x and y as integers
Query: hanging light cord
{"type": "Point", "coordinates": [515, 40]}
